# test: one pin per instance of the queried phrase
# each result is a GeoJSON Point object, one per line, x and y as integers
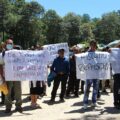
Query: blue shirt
{"type": "Point", "coordinates": [60, 65]}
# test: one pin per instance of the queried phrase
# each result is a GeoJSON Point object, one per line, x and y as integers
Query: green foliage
{"type": "Point", "coordinates": [86, 32]}
{"type": "Point", "coordinates": [108, 28]}
{"type": "Point", "coordinates": [86, 18]}
{"type": "Point", "coordinates": [72, 25]}
{"type": "Point", "coordinates": [53, 22]}
{"type": "Point", "coordinates": [28, 23]}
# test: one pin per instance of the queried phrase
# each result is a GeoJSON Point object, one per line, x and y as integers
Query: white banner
{"type": "Point", "coordinates": [53, 50]}
{"type": "Point", "coordinates": [93, 65]}
{"type": "Point", "coordinates": [26, 65]}
{"type": "Point", "coordinates": [115, 60]}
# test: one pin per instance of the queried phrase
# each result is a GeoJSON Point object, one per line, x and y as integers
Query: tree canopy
{"type": "Point", "coordinates": [28, 23]}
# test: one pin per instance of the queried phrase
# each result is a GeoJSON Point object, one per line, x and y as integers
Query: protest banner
{"type": "Point", "coordinates": [115, 60]}
{"type": "Point", "coordinates": [26, 65]}
{"type": "Point", "coordinates": [93, 65]}
{"type": "Point", "coordinates": [53, 50]}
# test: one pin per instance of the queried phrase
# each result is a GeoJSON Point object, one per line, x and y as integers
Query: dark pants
{"type": "Point", "coordinates": [73, 85]}
{"type": "Point", "coordinates": [2, 97]}
{"type": "Point", "coordinates": [116, 89]}
{"type": "Point", "coordinates": [82, 86]}
{"type": "Point", "coordinates": [57, 80]}
{"type": "Point", "coordinates": [99, 87]}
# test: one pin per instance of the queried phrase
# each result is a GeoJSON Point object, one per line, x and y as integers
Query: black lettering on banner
{"type": "Point", "coordinates": [80, 66]}
{"type": "Point", "coordinates": [92, 56]}
{"type": "Point", "coordinates": [95, 67]}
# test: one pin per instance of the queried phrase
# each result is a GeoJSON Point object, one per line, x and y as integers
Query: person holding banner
{"type": "Point", "coordinates": [36, 88]}
{"type": "Point", "coordinates": [16, 84]}
{"type": "Point", "coordinates": [73, 83]}
{"type": "Point", "coordinates": [115, 63]}
{"type": "Point", "coordinates": [61, 67]}
{"type": "Point", "coordinates": [89, 82]}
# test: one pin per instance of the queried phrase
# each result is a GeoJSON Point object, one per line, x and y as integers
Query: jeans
{"type": "Point", "coordinates": [88, 84]}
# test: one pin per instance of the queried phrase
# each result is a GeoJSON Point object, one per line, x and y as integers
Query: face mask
{"type": "Point", "coordinates": [9, 46]}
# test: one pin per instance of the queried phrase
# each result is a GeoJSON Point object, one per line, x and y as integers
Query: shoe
{"type": "Point", "coordinates": [82, 92]}
{"type": "Point", "coordinates": [104, 91]}
{"type": "Point", "coordinates": [36, 106]}
{"type": "Point", "coordinates": [52, 101]}
{"type": "Point", "coordinates": [111, 91]}
{"type": "Point", "coordinates": [8, 110]}
{"type": "Point", "coordinates": [85, 106]}
{"type": "Point", "coordinates": [98, 96]}
{"type": "Point", "coordinates": [76, 95]}
{"type": "Point", "coordinates": [67, 95]}
{"type": "Point", "coordinates": [19, 109]}
{"type": "Point", "coordinates": [2, 103]}
{"type": "Point", "coordinates": [62, 100]}
{"type": "Point", "coordinates": [117, 107]}
{"type": "Point", "coordinates": [94, 105]}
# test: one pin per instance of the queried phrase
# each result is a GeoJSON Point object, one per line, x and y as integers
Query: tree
{"type": "Point", "coordinates": [27, 23]}
{"type": "Point", "coordinates": [87, 32]}
{"type": "Point", "coordinates": [4, 11]}
{"type": "Point", "coordinates": [53, 22]}
{"type": "Point", "coordinates": [107, 29]}
{"type": "Point", "coordinates": [72, 24]}
{"type": "Point", "coordinates": [86, 18]}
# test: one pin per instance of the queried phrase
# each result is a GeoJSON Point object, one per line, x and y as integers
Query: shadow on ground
{"type": "Point", "coordinates": [52, 103]}
{"type": "Point", "coordinates": [99, 102]}
{"type": "Point", "coordinates": [93, 117]}
{"type": "Point", "coordinates": [82, 110]}
{"type": "Point", "coordinates": [3, 114]}
{"type": "Point", "coordinates": [110, 110]}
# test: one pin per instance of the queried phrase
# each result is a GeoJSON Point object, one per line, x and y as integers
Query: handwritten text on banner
{"type": "Point", "coordinates": [93, 65]}
{"type": "Point", "coordinates": [53, 50]}
{"type": "Point", "coordinates": [26, 65]}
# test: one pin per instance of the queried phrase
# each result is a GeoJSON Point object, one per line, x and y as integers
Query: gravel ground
{"type": "Point", "coordinates": [71, 109]}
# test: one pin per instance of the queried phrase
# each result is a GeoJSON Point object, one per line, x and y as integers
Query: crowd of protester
{"type": "Point", "coordinates": [64, 70]}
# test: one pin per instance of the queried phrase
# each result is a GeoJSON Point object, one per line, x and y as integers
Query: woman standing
{"type": "Point", "coordinates": [36, 89]}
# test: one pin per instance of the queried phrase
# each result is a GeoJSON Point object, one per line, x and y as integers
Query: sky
{"type": "Point", "coordinates": [95, 8]}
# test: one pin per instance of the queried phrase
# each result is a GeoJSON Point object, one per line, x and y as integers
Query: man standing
{"type": "Point", "coordinates": [16, 84]}
{"type": "Point", "coordinates": [73, 83]}
{"type": "Point", "coordinates": [116, 77]}
{"type": "Point", "coordinates": [61, 67]}
{"type": "Point", "coordinates": [89, 82]}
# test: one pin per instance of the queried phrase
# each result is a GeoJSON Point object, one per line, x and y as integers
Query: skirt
{"type": "Point", "coordinates": [38, 90]}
